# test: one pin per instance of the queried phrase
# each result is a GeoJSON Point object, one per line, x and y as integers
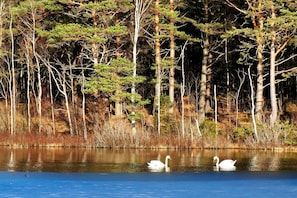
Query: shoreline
{"type": "Point", "coordinates": [57, 146]}
{"type": "Point", "coordinates": [165, 142]}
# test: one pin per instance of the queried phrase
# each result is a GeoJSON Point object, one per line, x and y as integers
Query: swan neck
{"type": "Point", "coordinates": [217, 161]}
{"type": "Point", "coordinates": [166, 162]}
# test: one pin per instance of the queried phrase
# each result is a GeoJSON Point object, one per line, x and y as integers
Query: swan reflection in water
{"type": "Point", "coordinates": [225, 165]}
{"type": "Point", "coordinates": [215, 168]}
{"type": "Point", "coordinates": [166, 169]}
{"type": "Point", "coordinates": [158, 166]}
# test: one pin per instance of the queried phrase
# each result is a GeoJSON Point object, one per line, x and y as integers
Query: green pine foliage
{"type": "Point", "coordinates": [115, 79]}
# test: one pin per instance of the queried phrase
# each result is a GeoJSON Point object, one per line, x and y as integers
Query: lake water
{"type": "Point", "coordinates": [123, 173]}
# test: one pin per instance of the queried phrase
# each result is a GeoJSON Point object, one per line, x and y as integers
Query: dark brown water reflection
{"type": "Point", "coordinates": [106, 161]}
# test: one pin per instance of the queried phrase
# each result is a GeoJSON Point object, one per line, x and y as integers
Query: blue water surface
{"type": "Point", "coordinates": [204, 184]}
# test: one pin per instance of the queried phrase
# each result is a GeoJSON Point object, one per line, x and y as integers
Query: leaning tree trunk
{"type": "Point", "coordinates": [67, 102]}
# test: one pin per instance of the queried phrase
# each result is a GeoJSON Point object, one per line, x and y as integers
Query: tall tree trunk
{"type": "Point", "coordinates": [2, 18]}
{"type": "Point", "coordinates": [203, 78]}
{"type": "Point", "coordinates": [273, 99]}
{"type": "Point", "coordinates": [52, 100]}
{"type": "Point", "coordinates": [172, 57]}
{"type": "Point", "coordinates": [84, 106]}
{"type": "Point", "coordinates": [182, 90]}
{"type": "Point", "coordinates": [158, 66]}
{"type": "Point", "coordinates": [28, 62]}
{"type": "Point", "coordinates": [216, 112]}
{"type": "Point", "coordinates": [202, 97]}
{"type": "Point", "coordinates": [73, 99]}
{"type": "Point", "coordinates": [39, 96]}
{"type": "Point", "coordinates": [258, 23]}
{"type": "Point", "coordinates": [39, 83]}
{"type": "Point", "coordinates": [67, 102]}
{"type": "Point", "coordinates": [260, 84]}
{"type": "Point", "coordinates": [135, 39]}
{"type": "Point", "coordinates": [94, 45]}
{"type": "Point", "coordinates": [140, 9]}
{"type": "Point", "coordinates": [208, 84]}
{"type": "Point", "coordinates": [12, 83]}
{"type": "Point", "coordinates": [118, 104]}
{"type": "Point", "coordinates": [253, 105]}
{"type": "Point", "coordinates": [228, 101]}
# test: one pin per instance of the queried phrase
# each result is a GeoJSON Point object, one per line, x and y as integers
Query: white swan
{"type": "Point", "coordinates": [227, 164]}
{"type": "Point", "coordinates": [158, 165]}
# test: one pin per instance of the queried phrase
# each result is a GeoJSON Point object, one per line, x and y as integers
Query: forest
{"type": "Point", "coordinates": [148, 73]}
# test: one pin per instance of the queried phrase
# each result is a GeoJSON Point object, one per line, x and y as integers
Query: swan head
{"type": "Point", "coordinates": [215, 158]}
{"type": "Point", "coordinates": [168, 157]}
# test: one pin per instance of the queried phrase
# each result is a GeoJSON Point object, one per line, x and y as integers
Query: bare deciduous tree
{"type": "Point", "coordinates": [141, 7]}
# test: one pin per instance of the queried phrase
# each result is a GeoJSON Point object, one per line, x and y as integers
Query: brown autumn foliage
{"type": "Point", "coordinates": [107, 131]}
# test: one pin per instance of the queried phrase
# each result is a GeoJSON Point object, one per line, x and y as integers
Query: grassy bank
{"type": "Point", "coordinates": [151, 141]}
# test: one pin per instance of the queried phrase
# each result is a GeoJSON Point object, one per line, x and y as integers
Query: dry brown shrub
{"type": "Point", "coordinates": [116, 133]}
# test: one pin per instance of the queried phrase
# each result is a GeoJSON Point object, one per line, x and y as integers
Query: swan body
{"type": "Point", "coordinates": [158, 165]}
{"type": "Point", "coordinates": [227, 164]}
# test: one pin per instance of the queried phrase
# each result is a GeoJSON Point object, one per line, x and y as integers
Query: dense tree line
{"type": "Point", "coordinates": [166, 66]}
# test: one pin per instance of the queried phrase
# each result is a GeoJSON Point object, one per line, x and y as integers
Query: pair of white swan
{"type": "Point", "coordinates": [157, 165]}
{"type": "Point", "coordinates": [225, 165]}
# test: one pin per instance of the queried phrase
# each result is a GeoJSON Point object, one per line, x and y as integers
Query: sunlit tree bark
{"type": "Point", "coordinates": [203, 77]}
{"type": "Point", "coordinates": [258, 25]}
{"type": "Point", "coordinates": [38, 65]}
{"type": "Point", "coordinates": [85, 132]}
{"type": "Point", "coordinates": [4, 76]}
{"type": "Point", "coordinates": [253, 105]}
{"type": "Point", "coordinates": [12, 81]}
{"type": "Point", "coordinates": [28, 62]}
{"type": "Point", "coordinates": [157, 65]}
{"type": "Point", "coordinates": [51, 100]}
{"type": "Point", "coordinates": [172, 57]}
{"type": "Point", "coordinates": [282, 29]}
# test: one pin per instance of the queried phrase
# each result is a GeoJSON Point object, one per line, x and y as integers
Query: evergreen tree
{"type": "Point", "coordinates": [115, 79]}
